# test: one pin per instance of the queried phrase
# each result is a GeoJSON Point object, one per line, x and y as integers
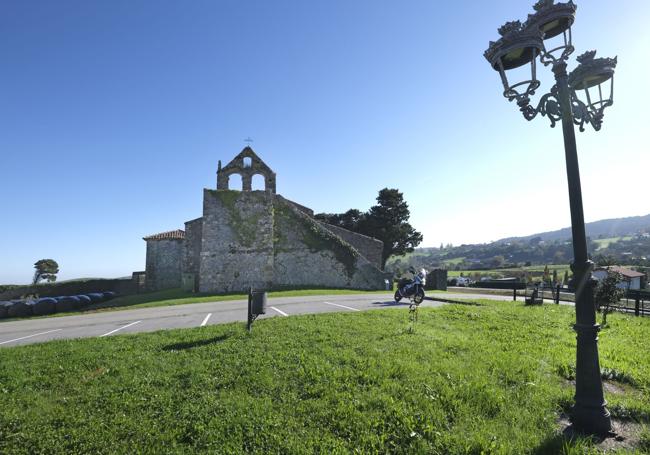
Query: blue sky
{"type": "Point", "coordinates": [113, 115]}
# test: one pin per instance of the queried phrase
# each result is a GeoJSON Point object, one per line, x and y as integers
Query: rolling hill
{"type": "Point", "coordinates": [614, 227]}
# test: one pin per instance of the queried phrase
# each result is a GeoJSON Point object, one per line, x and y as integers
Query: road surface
{"type": "Point", "coordinates": [113, 323]}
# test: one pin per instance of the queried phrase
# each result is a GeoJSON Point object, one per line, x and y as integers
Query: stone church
{"type": "Point", "coordinates": [260, 239]}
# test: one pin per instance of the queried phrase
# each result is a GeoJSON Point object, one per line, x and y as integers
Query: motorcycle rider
{"type": "Point", "coordinates": [412, 288]}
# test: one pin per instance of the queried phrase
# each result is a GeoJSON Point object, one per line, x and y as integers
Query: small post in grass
{"type": "Point", "coordinates": [413, 316]}
{"type": "Point", "coordinates": [256, 306]}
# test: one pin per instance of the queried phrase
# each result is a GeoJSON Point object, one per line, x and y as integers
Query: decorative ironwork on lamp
{"type": "Point", "coordinates": [516, 47]}
{"type": "Point", "coordinates": [593, 73]}
{"type": "Point", "coordinates": [553, 19]}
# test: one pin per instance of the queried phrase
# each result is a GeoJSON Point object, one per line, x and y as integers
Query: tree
{"type": "Point", "coordinates": [46, 269]}
{"type": "Point", "coordinates": [604, 260]}
{"type": "Point", "coordinates": [497, 261]}
{"type": "Point", "coordinates": [554, 276]}
{"type": "Point", "coordinates": [348, 220]}
{"type": "Point", "coordinates": [608, 292]}
{"type": "Point", "coordinates": [388, 222]}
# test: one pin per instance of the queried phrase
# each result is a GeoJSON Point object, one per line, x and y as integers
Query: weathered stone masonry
{"type": "Point", "coordinates": [163, 263]}
{"type": "Point", "coordinates": [260, 239]}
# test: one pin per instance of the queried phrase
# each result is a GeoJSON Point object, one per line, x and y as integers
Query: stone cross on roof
{"type": "Point", "coordinates": [247, 164]}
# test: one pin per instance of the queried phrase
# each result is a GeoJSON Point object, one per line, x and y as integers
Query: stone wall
{"type": "Point", "coordinates": [369, 247]}
{"type": "Point", "coordinates": [307, 254]}
{"type": "Point", "coordinates": [302, 208]}
{"type": "Point", "coordinates": [163, 264]}
{"type": "Point", "coordinates": [237, 248]}
{"type": "Point", "coordinates": [254, 238]}
{"type": "Point", "coordinates": [191, 264]}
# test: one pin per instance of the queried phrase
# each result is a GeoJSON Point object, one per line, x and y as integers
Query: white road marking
{"type": "Point", "coordinates": [342, 306]}
{"type": "Point", "coordinates": [118, 329]}
{"type": "Point", "coordinates": [205, 321]}
{"type": "Point", "coordinates": [279, 311]}
{"type": "Point", "coordinates": [30, 336]}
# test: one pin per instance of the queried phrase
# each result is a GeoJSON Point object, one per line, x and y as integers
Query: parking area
{"type": "Point", "coordinates": [115, 323]}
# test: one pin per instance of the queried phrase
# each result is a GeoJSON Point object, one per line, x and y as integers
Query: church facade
{"type": "Point", "coordinates": [260, 239]}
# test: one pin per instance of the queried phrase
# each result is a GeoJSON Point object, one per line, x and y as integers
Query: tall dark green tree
{"type": "Point", "coordinates": [388, 222]}
{"type": "Point", "coordinates": [46, 269]}
{"type": "Point", "coordinates": [348, 220]}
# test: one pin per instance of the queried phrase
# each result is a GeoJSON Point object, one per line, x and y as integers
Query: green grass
{"type": "Point", "coordinates": [487, 379]}
{"type": "Point", "coordinates": [451, 262]}
{"type": "Point", "coordinates": [604, 243]}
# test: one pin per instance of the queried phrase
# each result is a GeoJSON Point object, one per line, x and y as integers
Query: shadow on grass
{"type": "Point", "coordinates": [572, 438]}
{"type": "Point", "coordinates": [196, 344]}
{"type": "Point", "coordinates": [556, 443]}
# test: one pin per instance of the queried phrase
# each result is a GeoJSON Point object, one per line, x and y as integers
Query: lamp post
{"type": "Point", "coordinates": [521, 44]}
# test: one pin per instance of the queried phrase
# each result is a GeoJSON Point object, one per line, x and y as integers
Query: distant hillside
{"type": "Point", "coordinates": [624, 241]}
{"type": "Point", "coordinates": [615, 227]}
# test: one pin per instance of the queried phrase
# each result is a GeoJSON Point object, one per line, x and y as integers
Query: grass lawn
{"type": "Point", "coordinates": [470, 379]}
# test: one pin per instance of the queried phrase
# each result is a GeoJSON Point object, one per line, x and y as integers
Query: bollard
{"type": "Point", "coordinates": [637, 305]}
{"type": "Point", "coordinates": [256, 306]}
{"type": "Point", "coordinates": [514, 294]}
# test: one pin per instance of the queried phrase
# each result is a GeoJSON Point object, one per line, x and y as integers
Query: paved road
{"type": "Point", "coordinates": [113, 323]}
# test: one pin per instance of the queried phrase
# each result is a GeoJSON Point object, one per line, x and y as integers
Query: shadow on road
{"type": "Point", "coordinates": [390, 303]}
{"type": "Point", "coordinates": [195, 344]}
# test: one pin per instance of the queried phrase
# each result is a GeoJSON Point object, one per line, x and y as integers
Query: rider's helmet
{"type": "Point", "coordinates": [412, 270]}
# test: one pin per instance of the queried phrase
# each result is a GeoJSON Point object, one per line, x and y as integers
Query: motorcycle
{"type": "Point", "coordinates": [413, 289]}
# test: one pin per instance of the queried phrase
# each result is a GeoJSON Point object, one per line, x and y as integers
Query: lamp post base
{"type": "Point", "coordinates": [589, 413]}
{"type": "Point", "coordinates": [591, 419]}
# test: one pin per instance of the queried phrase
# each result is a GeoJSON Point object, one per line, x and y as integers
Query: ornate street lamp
{"type": "Point", "coordinates": [519, 45]}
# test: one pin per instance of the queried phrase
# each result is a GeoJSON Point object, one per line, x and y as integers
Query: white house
{"type": "Point", "coordinates": [631, 279]}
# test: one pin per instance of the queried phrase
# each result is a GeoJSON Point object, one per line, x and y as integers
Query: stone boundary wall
{"type": "Point", "coordinates": [369, 247]}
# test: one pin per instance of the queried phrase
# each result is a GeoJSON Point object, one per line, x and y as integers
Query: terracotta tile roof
{"type": "Point", "coordinates": [623, 271]}
{"type": "Point", "coordinates": [178, 234]}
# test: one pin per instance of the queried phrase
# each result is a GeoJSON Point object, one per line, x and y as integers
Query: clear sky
{"type": "Point", "coordinates": [113, 115]}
